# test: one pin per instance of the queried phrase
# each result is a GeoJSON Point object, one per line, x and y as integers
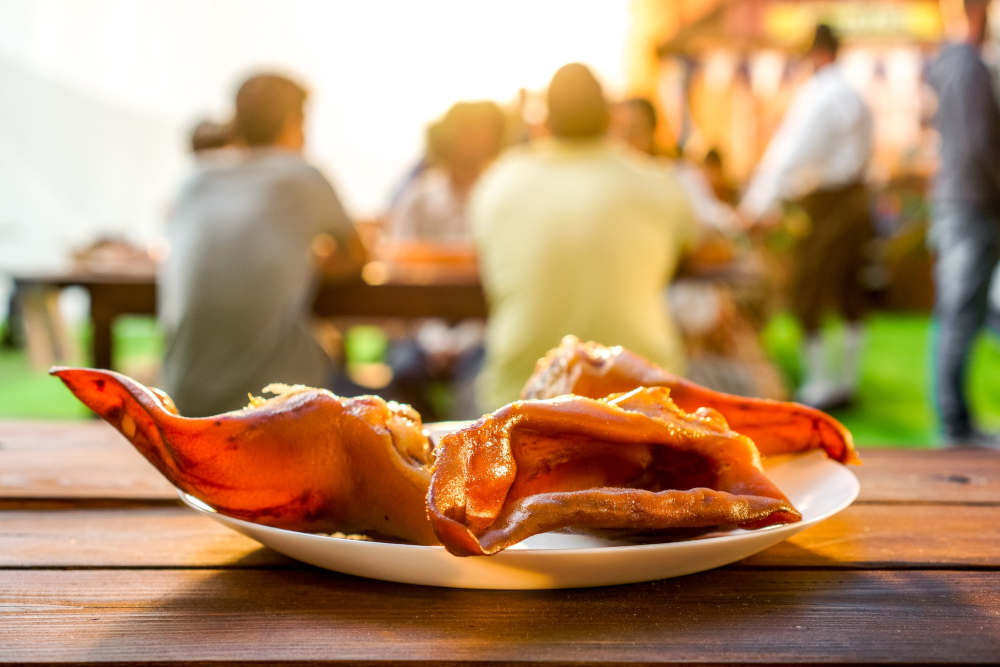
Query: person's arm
{"type": "Point", "coordinates": [404, 217]}
{"type": "Point", "coordinates": [336, 247]}
{"type": "Point", "coordinates": [687, 233]}
{"type": "Point", "coordinates": [793, 157]}
{"type": "Point", "coordinates": [980, 119]}
{"type": "Point", "coordinates": [338, 260]}
{"type": "Point", "coordinates": [707, 208]}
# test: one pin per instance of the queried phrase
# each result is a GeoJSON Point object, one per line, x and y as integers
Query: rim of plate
{"type": "Point", "coordinates": [729, 536]}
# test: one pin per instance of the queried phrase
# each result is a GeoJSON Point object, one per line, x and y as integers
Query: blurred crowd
{"type": "Point", "coordinates": [579, 224]}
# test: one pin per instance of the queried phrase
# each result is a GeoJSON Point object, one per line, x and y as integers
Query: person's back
{"type": "Point", "coordinates": [575, 237]}
{"type": "Point", "coordinates": [236, 286]}
{"type": "Point", "coordinates": [237, 282]}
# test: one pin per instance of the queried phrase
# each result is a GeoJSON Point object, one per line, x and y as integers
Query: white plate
{"type": "Point", "coordinates": [817, 486]}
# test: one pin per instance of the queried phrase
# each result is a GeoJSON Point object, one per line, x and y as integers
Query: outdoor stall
{"type": "Point", "coordinates": [724, 77]}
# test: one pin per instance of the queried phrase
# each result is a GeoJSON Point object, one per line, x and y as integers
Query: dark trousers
{"type": "Point", "coordinates": [830, 257]}
{"type": "Point", "coordinates": [967, 241]}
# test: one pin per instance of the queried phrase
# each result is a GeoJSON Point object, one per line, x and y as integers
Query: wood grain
{"type": "Point", "coordinates": [80, 460]}
{"type": "Point", "coordinates": [91, 460]}
{"type": "Point", "coordinates": [930, 475]}
{"type": "Point", "coordinates": [863, 536]}
{"type": "Point", "coordinates": [722, 617]}
{"type": "Point", "coordinates": [894, 536]}
{"type": "Point", "coordinates": [167, 537]}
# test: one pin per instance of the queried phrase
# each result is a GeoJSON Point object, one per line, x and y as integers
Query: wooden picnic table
{"type": "Point", "coordinates": [449, 295]}
{"type": "Point", "coordinates": [99, 563]}
{"type": "Point", "coordinates": [391, 291]}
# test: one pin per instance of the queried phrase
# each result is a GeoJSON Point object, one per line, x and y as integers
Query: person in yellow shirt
{"type": "Point", "coordinates": [576, 235]}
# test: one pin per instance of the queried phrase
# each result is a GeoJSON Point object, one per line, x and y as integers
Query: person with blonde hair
{"type": "Point", "coordinates": [432, 208]}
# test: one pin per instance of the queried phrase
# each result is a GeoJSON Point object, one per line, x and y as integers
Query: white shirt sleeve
{"type": "Point", "coordinates": [824, 140]}
{"type": "Point", "coordinates": [404, 218]}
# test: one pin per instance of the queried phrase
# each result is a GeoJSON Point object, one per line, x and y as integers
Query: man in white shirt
{"type": "Point", "coordinates": [818, 158]}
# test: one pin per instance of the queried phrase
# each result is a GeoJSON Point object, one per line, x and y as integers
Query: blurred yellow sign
{"type": "Point", "coordinates": [792, 23]}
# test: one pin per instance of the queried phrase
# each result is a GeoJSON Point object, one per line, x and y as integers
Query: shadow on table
{"type": "Point", "coordinates": [299, 612]}
{"type": "Point", "coordinates": [789, 555]}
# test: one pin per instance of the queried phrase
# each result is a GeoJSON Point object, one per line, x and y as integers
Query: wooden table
{"type": "Point", "coordinates": [450, 293]}
{"type": "Point", "coordinates": [451, 296]}
{"type": "Point", "coordinates": [100, 564]}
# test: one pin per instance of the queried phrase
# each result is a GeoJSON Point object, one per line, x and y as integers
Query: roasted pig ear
{"type": "Point", "coordinates": [777, 427]}
{"type": "Point", "coordinates": [631, 462]}
{"type": "Point", "coordinates": [305, 460]}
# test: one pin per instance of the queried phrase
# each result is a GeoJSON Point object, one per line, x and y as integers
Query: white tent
{"type": "Point", "coordinates": [98, 96]}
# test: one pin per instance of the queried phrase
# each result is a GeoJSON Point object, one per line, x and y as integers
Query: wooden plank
{"type": "Point", "coordinates": [929, 475]}
{"type": "Point", "coordinates": [452, 301]}
{"type": "Point", "coordinates": [133, 537]}
{"type": "Point", "coordinates": [134, 293]}
{"type": "Point", "coordinates": [724, 616]}
{"type": "Point", "coordinates": [894, 536]}
{"type": "Point", "coordinates": [74, 459]}
{"type": "Point", "coordinates": [92, 460]}
{"type": "Point", "coordinates": [863, 536]}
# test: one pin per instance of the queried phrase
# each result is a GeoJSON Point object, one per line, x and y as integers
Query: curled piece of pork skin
{"type": "Point", "coordinates": [305, 460]}
{"type": "Point", "coordinates": [776, 427]}
{"type": "Point", "coordinates": [633, 461]}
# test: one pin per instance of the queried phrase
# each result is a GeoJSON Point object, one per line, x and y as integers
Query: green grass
{"type": "Point", "coordinates": [30, 393]}
{"type": "Point", "coordinates": [893, 409]}
{"type": "Point", "coordinates": [894, 405]}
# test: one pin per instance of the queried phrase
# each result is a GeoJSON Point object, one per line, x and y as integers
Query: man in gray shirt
{"type": "Point", "coordinates": [236, 287]}
{"type": "Point", "coordinates": [966, 226]}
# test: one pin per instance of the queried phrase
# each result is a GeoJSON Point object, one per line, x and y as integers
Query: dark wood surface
{"type": "Point", "coordinates": [281, 615]}
{"type": "Point", "coordinates": [445, 295]}
{"type": "Point", "coordinates": [99, 564]}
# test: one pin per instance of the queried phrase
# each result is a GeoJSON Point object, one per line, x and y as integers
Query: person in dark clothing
{"type": "Point", "coordinates": [966, 227]}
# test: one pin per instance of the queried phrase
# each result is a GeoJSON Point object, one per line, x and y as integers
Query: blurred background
{"type": "Point", "coordinates": [100, 99]}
